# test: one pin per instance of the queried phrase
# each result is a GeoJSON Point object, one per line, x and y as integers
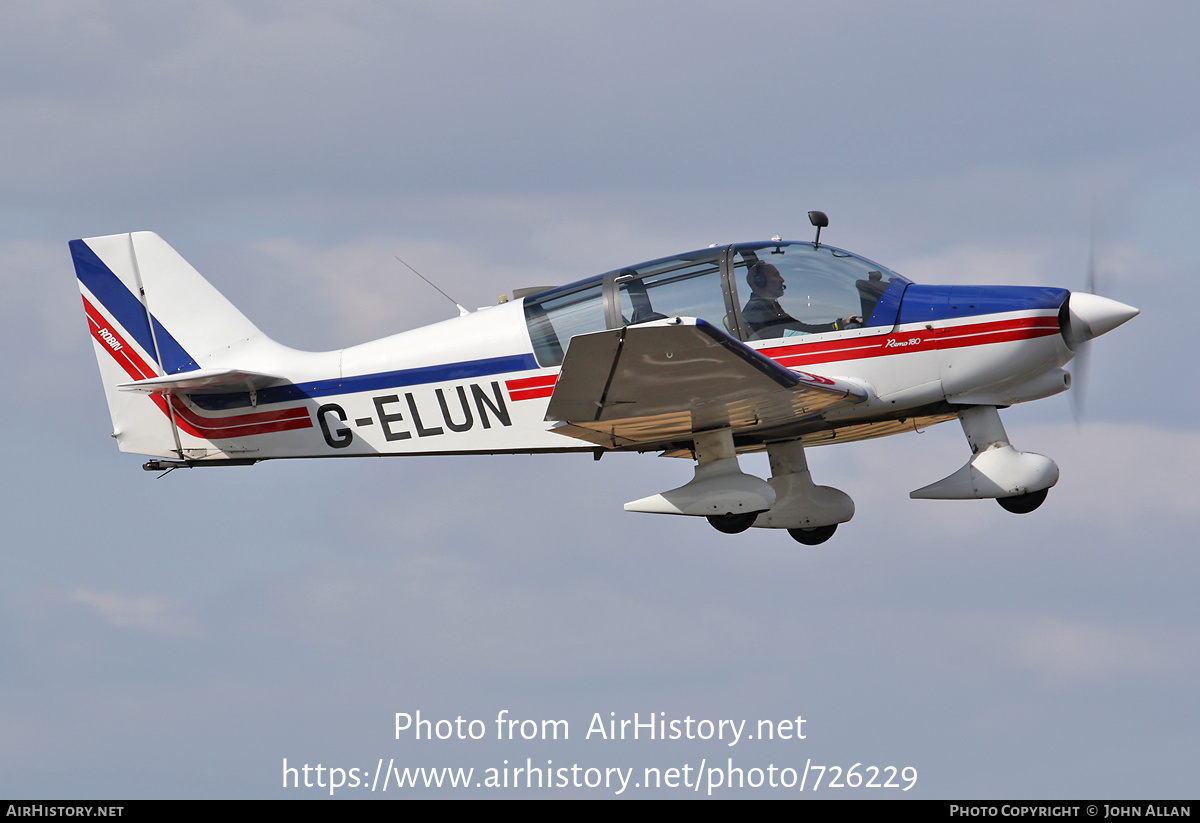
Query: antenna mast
{"type": "Point", "coordinates": [462, 311]}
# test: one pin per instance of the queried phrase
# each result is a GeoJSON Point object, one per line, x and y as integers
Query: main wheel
{"type": "Point", "coordinates": [1023, 503]}
{"type": "Point", "coordinates": [813, 537]}
{"type": "Point", "coordinates": [732, 523]}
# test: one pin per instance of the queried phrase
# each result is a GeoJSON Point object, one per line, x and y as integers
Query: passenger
{"type": "Point", "coordinates": [763, 315]}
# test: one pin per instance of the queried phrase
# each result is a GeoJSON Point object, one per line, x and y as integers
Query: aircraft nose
{"type": "Point", "coordinates": [1093, 315]}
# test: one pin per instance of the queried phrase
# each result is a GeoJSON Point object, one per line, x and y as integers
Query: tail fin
{"type": "Point", "coordinates": [152, 315]}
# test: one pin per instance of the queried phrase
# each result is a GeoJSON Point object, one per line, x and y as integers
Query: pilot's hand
{"type": "Point", "coordinates": [854, 321]}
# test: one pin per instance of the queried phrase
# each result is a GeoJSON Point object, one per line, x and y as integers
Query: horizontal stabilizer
{"type": "Point", "coordinates": [204, 381]}
{"type": "Point", "coordinates": [661, 381]}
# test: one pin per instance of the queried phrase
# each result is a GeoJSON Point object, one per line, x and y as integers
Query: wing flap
{"type": "Point", "coordinates": [664, 380]}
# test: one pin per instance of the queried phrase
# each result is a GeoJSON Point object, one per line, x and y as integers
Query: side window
{"type": "Point", "coordinates": [671, 288]}
{"type": "Point", "coordinates": [554, 317]}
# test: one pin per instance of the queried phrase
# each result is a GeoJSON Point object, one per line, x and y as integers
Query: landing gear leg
{"type": "Point", "coordinates": [809, 512]}
{"type": "Point", "coordinates": [720, 491]}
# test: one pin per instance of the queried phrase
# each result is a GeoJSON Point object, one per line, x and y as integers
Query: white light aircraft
{"type": "Point", "coordinates": [707, 355]}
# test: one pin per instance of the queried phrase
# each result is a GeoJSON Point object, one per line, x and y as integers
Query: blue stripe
{"type": "Point", "coordinates": [370, 382]}
{"type": "Point", "coordinates": [925, 304]}
{"type": "Point", "coordinates": [174, 358]}
{"type": "Point", "coordinates": [112, 294]}
{"type": "Point", "coordinates": [128, 310]}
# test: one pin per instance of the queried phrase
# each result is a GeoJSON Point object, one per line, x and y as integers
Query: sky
{"type": "Point", "coordinates": [193, 636]}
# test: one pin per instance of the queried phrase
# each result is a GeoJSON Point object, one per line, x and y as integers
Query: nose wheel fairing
{"type": "Point", "coordinates": [996, 469]}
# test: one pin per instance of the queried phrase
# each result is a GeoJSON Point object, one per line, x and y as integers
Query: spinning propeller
{"type": "Point", "coordinates": [1085, 316]}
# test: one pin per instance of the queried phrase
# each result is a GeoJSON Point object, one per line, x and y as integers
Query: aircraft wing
{"type": "Point", "coordinates": [661, 381]}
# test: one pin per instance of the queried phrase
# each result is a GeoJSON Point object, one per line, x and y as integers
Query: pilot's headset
{"type": "Point", "coordinates": [757, 275]}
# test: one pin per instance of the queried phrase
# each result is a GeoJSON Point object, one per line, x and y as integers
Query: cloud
{"type": "Point", "coordinates": [1070, 652]}
{"type": "Point", "coordinates": [39, 290]}
{"type": "Point", "coordinates": [150, 613]}
{"type": "Point", "coordinates": [1120, 476]}
{"type": "Point", "coordinates": [355, 291]}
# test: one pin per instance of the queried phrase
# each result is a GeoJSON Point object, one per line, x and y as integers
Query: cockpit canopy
{"type": "Point", "coordinates": [755, 291]}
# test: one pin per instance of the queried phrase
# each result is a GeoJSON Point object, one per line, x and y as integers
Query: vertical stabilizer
{"type": "Point", "coordinates": [151, 314]}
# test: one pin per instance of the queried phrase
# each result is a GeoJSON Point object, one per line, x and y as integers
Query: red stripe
{"type": "Point", "coordinates": [946, 337]}
{"type": "Point", "coordinates": [127, 357]}
{"type": "Point", "coordinates": [240, 425]}
{"type": "Point", "coordinates": [982, 333]}
{"type": "Point", "coordinates": [531, 394]}
{"type": "Point", "coordinates": [239, 420]}
{"type": "Point", "coordinates": [838, 346]}
{"type": "Point", "coordinates": [191, 422]}
{"type": "Point", "coordinates": [531, 388]}
{"type": "Point", "coordinates": [541, 381]}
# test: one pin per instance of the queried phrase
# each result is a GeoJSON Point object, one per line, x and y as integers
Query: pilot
{"type": "Point", "coordinates": [766, 318]}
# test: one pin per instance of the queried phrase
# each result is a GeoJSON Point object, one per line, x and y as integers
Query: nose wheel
{"type": "Point", "coordinates": [1023, 503]}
